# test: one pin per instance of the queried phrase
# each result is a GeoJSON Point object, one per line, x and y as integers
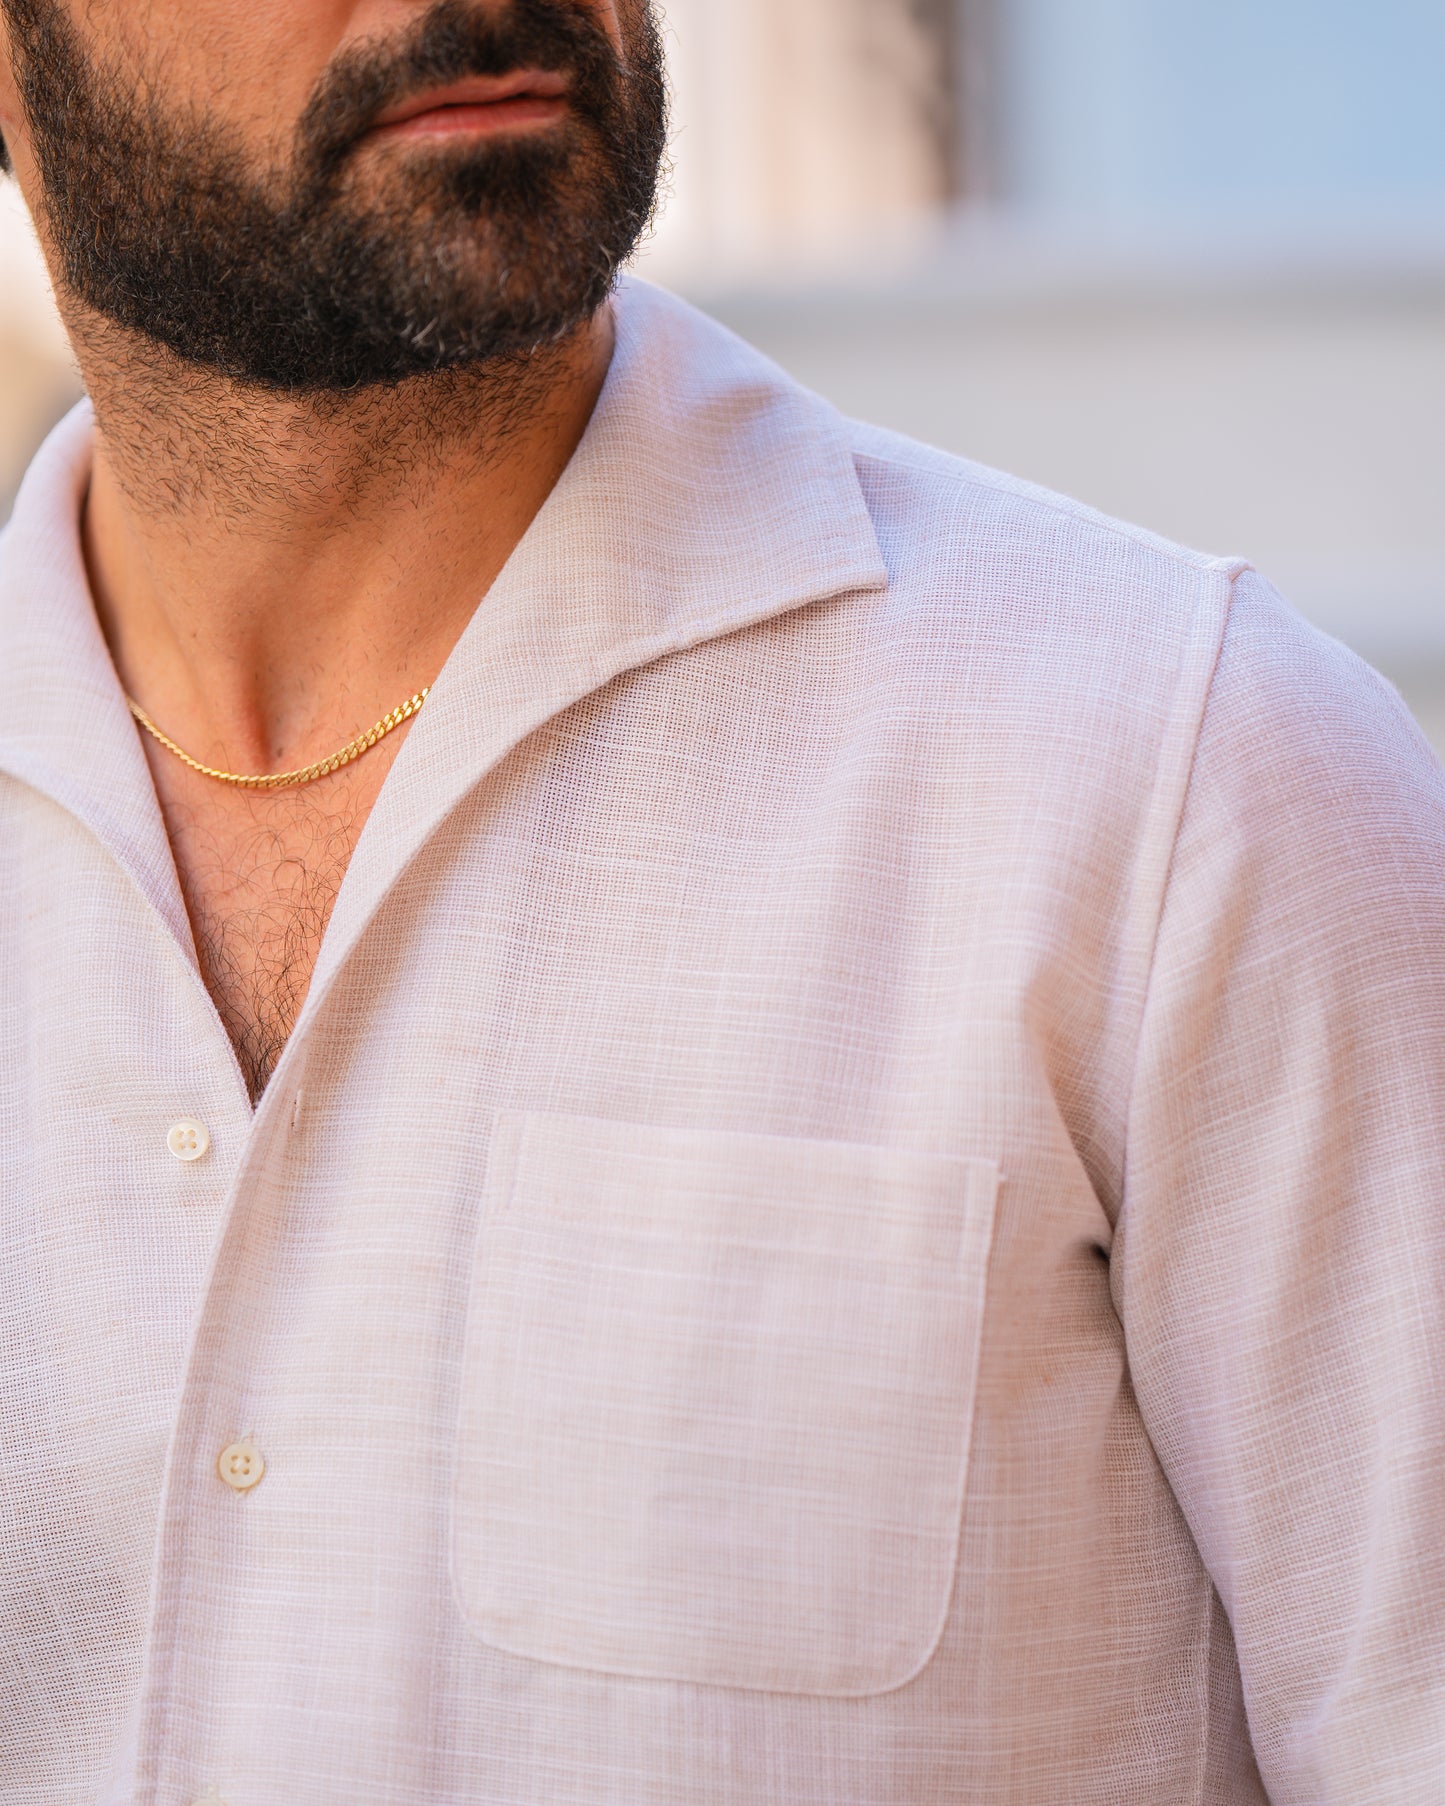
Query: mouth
{"type": "Point", "coordinates": [480, 106]}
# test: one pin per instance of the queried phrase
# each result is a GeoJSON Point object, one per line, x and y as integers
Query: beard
{"type": "Point", "coordinates": [460, 256]}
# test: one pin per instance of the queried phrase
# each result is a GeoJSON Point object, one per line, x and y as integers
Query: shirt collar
{"type": "Point", "coordinates": [708, 491]}
{"type": "Point", "coordinates": [65, 729]}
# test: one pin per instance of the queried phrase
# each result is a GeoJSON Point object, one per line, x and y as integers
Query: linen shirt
{"type": "Point", "coordinates": [854, 1213]}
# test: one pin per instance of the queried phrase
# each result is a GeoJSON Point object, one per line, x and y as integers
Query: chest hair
{"type": "Point", "coordinates": [260, 876]}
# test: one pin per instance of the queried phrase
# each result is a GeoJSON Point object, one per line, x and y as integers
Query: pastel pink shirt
{"type": "Point", "coordinates": [856, 1213]}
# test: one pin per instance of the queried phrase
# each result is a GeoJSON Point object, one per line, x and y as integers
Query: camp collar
{"type": "Point", "coordinates": [708, 491]}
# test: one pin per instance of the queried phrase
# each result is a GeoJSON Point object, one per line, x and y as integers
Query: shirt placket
{"type": "Point", "coordinates": [215, 1464]}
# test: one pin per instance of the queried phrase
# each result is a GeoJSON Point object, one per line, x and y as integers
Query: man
{"type": "Point", "coordinates": [813, 1175]}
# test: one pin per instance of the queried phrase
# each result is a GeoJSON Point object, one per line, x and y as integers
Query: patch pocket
{"type": "Point", "coordinates": [716, 1403]}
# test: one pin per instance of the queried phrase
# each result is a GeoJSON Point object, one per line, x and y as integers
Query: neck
{"type": "Point", "coordinates": [273, 573]}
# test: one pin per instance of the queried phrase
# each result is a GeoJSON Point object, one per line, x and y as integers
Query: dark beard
{"type": "Point", "coordinates": [467, 255]}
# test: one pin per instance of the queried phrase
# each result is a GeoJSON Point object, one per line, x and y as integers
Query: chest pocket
{"type": "Point", "coordinates": [716, 1403]}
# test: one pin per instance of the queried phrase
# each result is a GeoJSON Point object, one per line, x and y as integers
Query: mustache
{"type": "Point", "coordinates": [450, 42]}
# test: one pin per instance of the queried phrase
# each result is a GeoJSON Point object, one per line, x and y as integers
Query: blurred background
{"type": "Point", "coordinates": [1184, 259]}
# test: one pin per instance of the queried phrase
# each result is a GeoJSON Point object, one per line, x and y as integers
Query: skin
{"type": "Point", "coordinates": [273, 574]}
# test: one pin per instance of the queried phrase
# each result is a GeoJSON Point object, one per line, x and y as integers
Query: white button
{"type": "Point", "coordinates": [188, 1140]}
{"type": "Point", "coordinates": [241, 1465]}
{"type": "Point", "coordinates": [210, 1798]}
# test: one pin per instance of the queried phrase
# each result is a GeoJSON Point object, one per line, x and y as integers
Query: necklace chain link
{"type": "Point", "coordinates": [305, 774]}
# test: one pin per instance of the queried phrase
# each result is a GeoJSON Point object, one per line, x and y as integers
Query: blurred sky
{"type": "Point", "coordinates": [1256, 109]}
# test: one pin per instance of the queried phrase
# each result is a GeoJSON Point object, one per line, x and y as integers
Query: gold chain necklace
{"type": "Point", "coordinates": [285, 780]}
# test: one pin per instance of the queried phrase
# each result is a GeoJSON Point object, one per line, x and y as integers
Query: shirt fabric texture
{"type": "Point", "coordinates": [854, 1213]}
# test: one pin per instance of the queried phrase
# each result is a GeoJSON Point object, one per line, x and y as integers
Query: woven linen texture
{"type": "Point", "coordinates": [853, 1215]}
{"type": "Point", "coordinates": [825, 1422]}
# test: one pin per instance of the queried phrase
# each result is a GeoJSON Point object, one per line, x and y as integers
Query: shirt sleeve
{"type": "Point", "coordinates": [1279, 1266]}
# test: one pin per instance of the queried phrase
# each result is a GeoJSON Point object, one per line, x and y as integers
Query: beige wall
{"type": "Point", "coordinates": [37, 381]}
{"type": "Point", "coordinates": [800, 124]}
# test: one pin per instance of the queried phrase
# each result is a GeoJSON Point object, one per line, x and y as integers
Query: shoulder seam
{"type": "Point", "coordinates": [968, 475]}
{"type": "Point", "coordinates": [1171, 792]}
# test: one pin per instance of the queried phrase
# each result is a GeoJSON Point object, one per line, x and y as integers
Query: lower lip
{"type": "Point", "coordinates": [522, 113]}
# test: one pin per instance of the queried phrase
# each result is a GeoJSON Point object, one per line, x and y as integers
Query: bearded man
{"type": "Point", "coordinates": [811, 1175]}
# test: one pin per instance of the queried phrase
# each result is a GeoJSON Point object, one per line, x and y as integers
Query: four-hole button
{"type": "Point", "coordinates": [188, 1140]}
{"type": "Point", "coordinates": [241, 1465]}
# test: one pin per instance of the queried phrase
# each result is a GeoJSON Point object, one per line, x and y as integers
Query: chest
{"type": "Point", "coordinates": [611, 1278]}
{"type": "Point", "coordinates": [260, 875]}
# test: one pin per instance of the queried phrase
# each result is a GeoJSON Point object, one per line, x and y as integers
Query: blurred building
{"type": "Point", "coordinates": [803, 126]}
{"type": "Point", "coordinates": [37, 379]}
{"type": "Point", "coordinates": [1182, 258]}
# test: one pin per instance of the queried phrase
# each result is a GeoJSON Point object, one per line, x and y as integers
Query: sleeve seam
{"type": "Point", "coordinates": [1173, 785]}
